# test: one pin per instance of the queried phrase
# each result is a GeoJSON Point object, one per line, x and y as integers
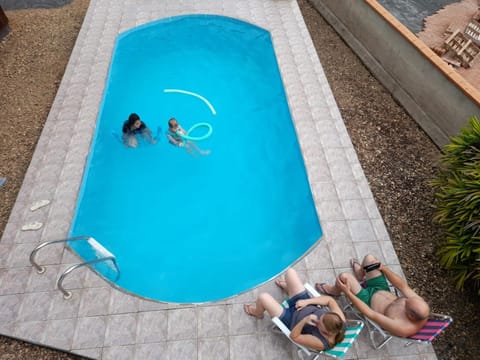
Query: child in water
{"type": "Point", "coordinates": [174, 138]}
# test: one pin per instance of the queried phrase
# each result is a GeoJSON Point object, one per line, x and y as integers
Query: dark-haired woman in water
{"type": "Point", "coordinates": [132, 127]}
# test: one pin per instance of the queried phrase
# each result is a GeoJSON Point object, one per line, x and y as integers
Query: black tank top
{"type": "Point", "coordinates": [310, 329]}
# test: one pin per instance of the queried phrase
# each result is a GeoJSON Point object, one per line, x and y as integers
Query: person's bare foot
{"type": "Point", "coordinates": [326, 289]}
{"type": "Point", "coordinates": [282, 284]}
{"type": "Point", "coordinates": [357, 269]}
{"type": "Point", "coordinates": [250, 310]}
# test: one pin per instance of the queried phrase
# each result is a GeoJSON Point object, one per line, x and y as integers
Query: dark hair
{"type": "Point", "coordinates": [132, 118]}
{"type": "Point", "coordinates": [334, 324]}
{"type": "Point", "coordinates": [170, 122]}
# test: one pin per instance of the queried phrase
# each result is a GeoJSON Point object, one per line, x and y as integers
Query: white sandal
{"type": "Point", "coordinates": [39, 204]}
{"type": "Point", "coordinates": [32, 226]}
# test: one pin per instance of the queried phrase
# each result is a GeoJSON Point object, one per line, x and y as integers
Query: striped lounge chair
{"type": "Point", "coordinates": [353, 328]}
{"type": "Point", "coordinates": [434, 327]}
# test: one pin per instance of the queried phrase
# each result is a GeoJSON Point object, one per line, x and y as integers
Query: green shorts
{"type": "Point", "coordinates": [373, 285]}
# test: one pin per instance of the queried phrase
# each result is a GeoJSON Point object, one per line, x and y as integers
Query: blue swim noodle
{"type": "Point", "coordinates": [197, 138]}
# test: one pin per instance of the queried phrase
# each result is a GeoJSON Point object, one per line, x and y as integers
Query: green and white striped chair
{"type": "Point", "coordinates": [353, 328]}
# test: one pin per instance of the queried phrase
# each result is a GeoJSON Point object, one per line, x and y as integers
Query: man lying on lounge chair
{"type": "Point", "coordinates": [401, 316]}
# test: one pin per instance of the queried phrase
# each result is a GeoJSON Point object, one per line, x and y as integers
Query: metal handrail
{"type": "Point", "coordinates": [68, 294]}
{"type": "Point", "coordinates": [40, 268]}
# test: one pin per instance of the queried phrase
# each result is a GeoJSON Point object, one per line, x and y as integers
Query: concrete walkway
{"type": "Point", "coordinates": [104, 323]}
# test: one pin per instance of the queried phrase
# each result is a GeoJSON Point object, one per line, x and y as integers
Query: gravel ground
{"type": "Point", "coordinates": [397, 157]}
{"type": "Point", "coordinates": [33, 58]}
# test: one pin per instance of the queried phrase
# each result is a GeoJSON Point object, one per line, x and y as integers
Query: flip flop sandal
{"type": "Point", "coordinates": [321, 288]}
{"type": "Point", "coordinates": [39, 204]}
{"type": "Point", "coordinates": [32, 226]}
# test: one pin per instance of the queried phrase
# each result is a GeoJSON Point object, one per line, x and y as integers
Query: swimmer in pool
{"type": "Point", "coordinates": [174, 138]}
{"type": "Point", "coordinates": [132, 127]}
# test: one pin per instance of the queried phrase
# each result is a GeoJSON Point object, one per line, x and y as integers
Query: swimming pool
{"type": "Point", "coordinates": [186, 229]}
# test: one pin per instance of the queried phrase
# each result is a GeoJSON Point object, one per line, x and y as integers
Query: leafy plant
{"type": "Point", "coordinates": [457, 208]}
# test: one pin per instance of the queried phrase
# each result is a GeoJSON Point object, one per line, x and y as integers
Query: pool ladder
{"type": "Point", "coordinates": [41, 269]}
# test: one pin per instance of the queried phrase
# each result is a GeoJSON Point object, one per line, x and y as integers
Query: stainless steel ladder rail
{"type": "Point", "coordinates": [68, 294]}
{"type": "Point", "coordinates": [41, 269]}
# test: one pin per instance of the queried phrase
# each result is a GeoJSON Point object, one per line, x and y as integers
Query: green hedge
{"type": "Point", "coordinates": [457, 207]}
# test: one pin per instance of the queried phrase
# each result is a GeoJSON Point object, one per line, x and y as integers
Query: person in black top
{"type": "Point", "coordinates": [315, 322]}
{"type": "Point", "coordinates": [133, 127]}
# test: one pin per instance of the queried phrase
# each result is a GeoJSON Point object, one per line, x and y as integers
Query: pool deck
{"type": "Point", "coordinates": [103, 323]}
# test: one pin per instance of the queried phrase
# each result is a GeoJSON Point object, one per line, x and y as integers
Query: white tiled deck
{"type": "Point", "coordinates": [103, 323]}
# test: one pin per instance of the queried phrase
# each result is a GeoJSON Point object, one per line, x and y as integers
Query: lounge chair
{"type": "Point", "coordinates": [434, 326]}
{"type": "Point", "coordinates": [353, 328]}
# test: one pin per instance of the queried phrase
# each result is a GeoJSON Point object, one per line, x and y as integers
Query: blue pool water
{"type": "Point", "coordinates": [186, 229]}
